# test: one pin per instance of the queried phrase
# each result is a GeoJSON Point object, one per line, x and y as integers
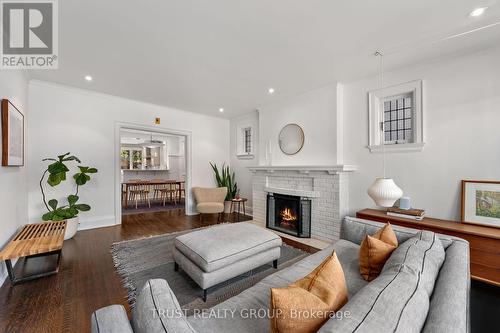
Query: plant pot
{"type": "Point", "coordinates": [227, 207]}
{"type": "Point", "coordinates": [71, 227]}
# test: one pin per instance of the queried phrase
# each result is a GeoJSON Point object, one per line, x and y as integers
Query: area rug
{"type": "Point", "coordinates": [140, 260]}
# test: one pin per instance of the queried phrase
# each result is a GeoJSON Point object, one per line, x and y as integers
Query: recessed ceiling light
{"type": "Point", "coordinates": [221, 110]}
{"type": "Point", "coordinates": [478, 11]}
{"type": "Point", "coordinates": [270, 90]}
{"type": "Point", "coordinates": [88, 77]}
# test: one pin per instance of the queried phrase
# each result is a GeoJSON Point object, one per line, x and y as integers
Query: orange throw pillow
{"type": "Point", "coordinates": [375, 250]}
{"type": "Point", "coordinates": [305, 305]}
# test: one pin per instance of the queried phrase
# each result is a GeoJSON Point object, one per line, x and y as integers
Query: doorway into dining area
{"type": "Point", "coordinates": [153, 171]}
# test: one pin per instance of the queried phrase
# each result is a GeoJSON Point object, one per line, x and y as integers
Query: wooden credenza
{"type": "Point", "coordinates": [484, 242]}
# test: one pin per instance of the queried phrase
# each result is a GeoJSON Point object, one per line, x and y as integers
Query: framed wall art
{"type": "Point", "coordinates": [12, 135]}
{"type": "Point", "coordinates": [481, 202]}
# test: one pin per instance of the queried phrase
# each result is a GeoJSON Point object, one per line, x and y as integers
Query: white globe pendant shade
{"type": "Point", "coordinates": [384, 192]}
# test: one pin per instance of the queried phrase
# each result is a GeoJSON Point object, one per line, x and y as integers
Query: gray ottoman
{"type": "Point", "coordinates": [217, 254]}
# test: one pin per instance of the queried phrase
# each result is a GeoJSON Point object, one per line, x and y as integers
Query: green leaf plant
{"type": "Point", "coordinates": [57, 171]}
{"type": "Point", "coordinates": [225, 178]}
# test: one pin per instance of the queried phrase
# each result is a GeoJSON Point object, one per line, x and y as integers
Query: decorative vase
{"type": "Point", "coordinates": [384, 192]}
{"type": "Point", "coordinates": [227, 207]}
{"type": "Point", "coordinates": [404, 203]}
{"type": "Point", "coordinates": [71, 227]}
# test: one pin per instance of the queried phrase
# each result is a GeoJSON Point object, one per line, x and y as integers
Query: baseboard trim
{"type": "Point", "coordinates": [248, 211]}
{"type": "Point", "coordinates": [97, 222]}
{"type": "Point", "coordinates": [3, 272]}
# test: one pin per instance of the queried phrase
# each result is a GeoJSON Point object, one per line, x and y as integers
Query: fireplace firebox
{"type": "Point", "coordinates": [289, 214]}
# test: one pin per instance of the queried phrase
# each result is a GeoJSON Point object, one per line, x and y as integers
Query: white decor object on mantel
{"type": "Point", "coordinates": [384, 191]}
{"type": "Point", "coordinates": [269, 153]}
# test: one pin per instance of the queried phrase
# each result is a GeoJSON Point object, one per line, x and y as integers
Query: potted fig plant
{"type": "Point", "coordinates": [57, 171]}
{"type": "Point", "coordinates": [226, 179]}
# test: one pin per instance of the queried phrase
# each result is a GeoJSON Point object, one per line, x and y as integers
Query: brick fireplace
{"type": "Point", "coordinates": [290, 214]}
{"type": "Point", "coordinates": [324, 187]}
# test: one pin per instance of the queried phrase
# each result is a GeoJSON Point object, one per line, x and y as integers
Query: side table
{"type": "Point", "coordinates": [238, 202]}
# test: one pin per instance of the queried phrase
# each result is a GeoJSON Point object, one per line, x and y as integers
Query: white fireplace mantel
{"type": "Point", "coordinates": [330, 169]}
{"type": "Point", "coordinates": [289, 191]}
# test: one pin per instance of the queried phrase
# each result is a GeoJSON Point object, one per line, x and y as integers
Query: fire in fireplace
{"type": "Point", "coordinates": [288, 218]}
{"type": "Point", "coordinates": [289, 214]}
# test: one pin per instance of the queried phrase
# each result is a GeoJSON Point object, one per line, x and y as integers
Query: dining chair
{"type": "Point", "coordinates": [124, 193]}
{"type": "Point", "coordinates": [157, 187]}
{"type": "Point", "coordinates": [181, 188]}
{"type": "Point", "coordinates": [139, 191]}
{"type": "Point", "coordinates": [164, 191]}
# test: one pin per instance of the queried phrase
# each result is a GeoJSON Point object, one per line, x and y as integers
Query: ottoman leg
{"type": "Point", "coordinates": [275, 264]}
{"type": "Point", "coordinates": [205, 295]}
{"type": "Point", "coordinates": [176, 266]}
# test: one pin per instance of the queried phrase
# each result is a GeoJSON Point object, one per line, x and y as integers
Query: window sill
{"type": "Point", "coordinates": [396, 148]}
{"type": "Point", "coordinates": [245, 156]}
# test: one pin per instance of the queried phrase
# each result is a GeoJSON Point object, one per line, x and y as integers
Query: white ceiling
{"type": "Point", "coordinates": [201, 55]}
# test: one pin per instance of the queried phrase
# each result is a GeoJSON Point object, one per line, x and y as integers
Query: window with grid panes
{"type": "Point", "coordinates": [247, 134]}
{"type": "Point", "coordinates": [398, 119]}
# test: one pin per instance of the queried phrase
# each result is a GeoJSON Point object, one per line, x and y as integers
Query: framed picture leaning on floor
{"type": "Point", "coordinates": [481, 202]}
{"type": "Point", "coordinates": [12, 135]}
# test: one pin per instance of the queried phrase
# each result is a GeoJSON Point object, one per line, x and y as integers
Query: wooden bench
{"type": "Point", "coordinates": [35, 240]}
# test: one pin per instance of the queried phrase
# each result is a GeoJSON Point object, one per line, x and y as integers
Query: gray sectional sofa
{"type": "Point", "coordinates": [424, 287]}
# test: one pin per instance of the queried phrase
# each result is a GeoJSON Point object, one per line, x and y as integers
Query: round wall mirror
{"type": "Point", "coordinates": [291, 139]}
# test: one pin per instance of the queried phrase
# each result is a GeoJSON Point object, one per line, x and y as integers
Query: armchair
{"type": "Point", "coordinates": [210, 200]}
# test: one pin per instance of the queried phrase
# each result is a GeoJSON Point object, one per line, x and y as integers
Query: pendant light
{"type": "Point", "coordinates": [384, 191]}
{"type": "Point", "coordinates": [154, 143]}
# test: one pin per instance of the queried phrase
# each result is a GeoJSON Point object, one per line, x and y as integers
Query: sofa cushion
{"type": "Point", "coordinates": [110, 319]}
{"type": "Point", "coordinates": [375, 250]}
{"type": "Point", "coordinates": [409, 254]}
{"type": "Point", "coordinates": [307, 303]}
{"type": "Point", "coordinates": [254, 302]}
{"type": "Point", "coordinates": [216, 247]}
{"type": "Point", "coordinates": [347, 253]}
{"type": "Point", "coordinates": [157, 310]}
{"type": "Point", "coordinates": [398, 300]}
{"type": "Point", "coordinates": [451, 291]}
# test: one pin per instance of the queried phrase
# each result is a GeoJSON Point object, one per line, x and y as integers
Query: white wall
{"type": "Point", "coordinates": [461, 131]}
{"type": "Point", "coordinates": [315, 112]}
{"type": "Point", "coordinates": [83, 122]}
{"type": "Point", "coordinates": [177, 158]}
{"type": "Point", "coordinates": [13, 195]}
{"type": "Point", "coordinates": [240, 166]}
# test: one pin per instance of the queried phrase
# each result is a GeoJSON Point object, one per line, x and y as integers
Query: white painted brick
{"type": "Point", "coordinates": [327, 210]}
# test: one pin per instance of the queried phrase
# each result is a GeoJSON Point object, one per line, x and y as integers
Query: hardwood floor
{"type": "Point", "coordinates": [86, 280]}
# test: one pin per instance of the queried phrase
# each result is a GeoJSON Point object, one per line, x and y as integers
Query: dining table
{"type": "Point", "coordinates": [127, 184]}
